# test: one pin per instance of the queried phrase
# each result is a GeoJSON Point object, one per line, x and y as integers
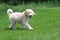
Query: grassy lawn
{"type": "Point", "coordinates": [46, 24]}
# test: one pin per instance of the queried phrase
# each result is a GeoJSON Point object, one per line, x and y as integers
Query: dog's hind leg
{"type": "Point", "coordinates": [12, 25]}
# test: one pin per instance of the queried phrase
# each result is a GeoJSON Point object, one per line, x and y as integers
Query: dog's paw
{"type": "Point", "coordinates": [30, 29]}
{"type": "Point", "coordinates": [10, 28]}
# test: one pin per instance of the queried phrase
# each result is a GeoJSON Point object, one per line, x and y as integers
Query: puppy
{"type": "Point", "coordinates": [20, 17]}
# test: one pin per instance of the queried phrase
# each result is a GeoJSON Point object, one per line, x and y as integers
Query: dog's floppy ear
{"type": "Point", "coordinates": [34, 13]}
{"type": "Point", "coordinates": [25, 13]}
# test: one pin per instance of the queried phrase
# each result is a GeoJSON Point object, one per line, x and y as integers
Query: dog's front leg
{"type": "Point", "coordinates": [28, 26]}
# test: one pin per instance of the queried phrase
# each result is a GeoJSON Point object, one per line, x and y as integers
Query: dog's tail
{"type": "Point", "coordinates": [9, 11]}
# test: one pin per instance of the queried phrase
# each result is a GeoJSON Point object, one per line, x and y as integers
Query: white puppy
{"type": "Point", "coordinates": [17, 17]}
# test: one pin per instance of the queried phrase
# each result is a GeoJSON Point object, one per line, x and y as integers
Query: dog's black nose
{"type": "Point", "coordinates": [30, 16]}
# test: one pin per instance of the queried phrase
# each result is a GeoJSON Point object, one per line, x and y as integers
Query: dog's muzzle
{"type": "Point", "coordinates": [30, 16]}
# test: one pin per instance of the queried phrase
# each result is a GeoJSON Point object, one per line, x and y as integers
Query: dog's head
{"type": "Point", "coordinates": [29, 13]}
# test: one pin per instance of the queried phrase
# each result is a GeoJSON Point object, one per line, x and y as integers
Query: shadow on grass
{"type": "Point", "coordinates": [16, 29]}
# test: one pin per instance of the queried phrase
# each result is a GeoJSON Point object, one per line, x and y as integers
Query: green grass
{"type": "Point", "coordinates": [46, 24]}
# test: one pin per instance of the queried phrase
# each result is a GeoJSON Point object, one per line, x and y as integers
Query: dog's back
{"type": "Point", "coordinates": [17, 16]}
